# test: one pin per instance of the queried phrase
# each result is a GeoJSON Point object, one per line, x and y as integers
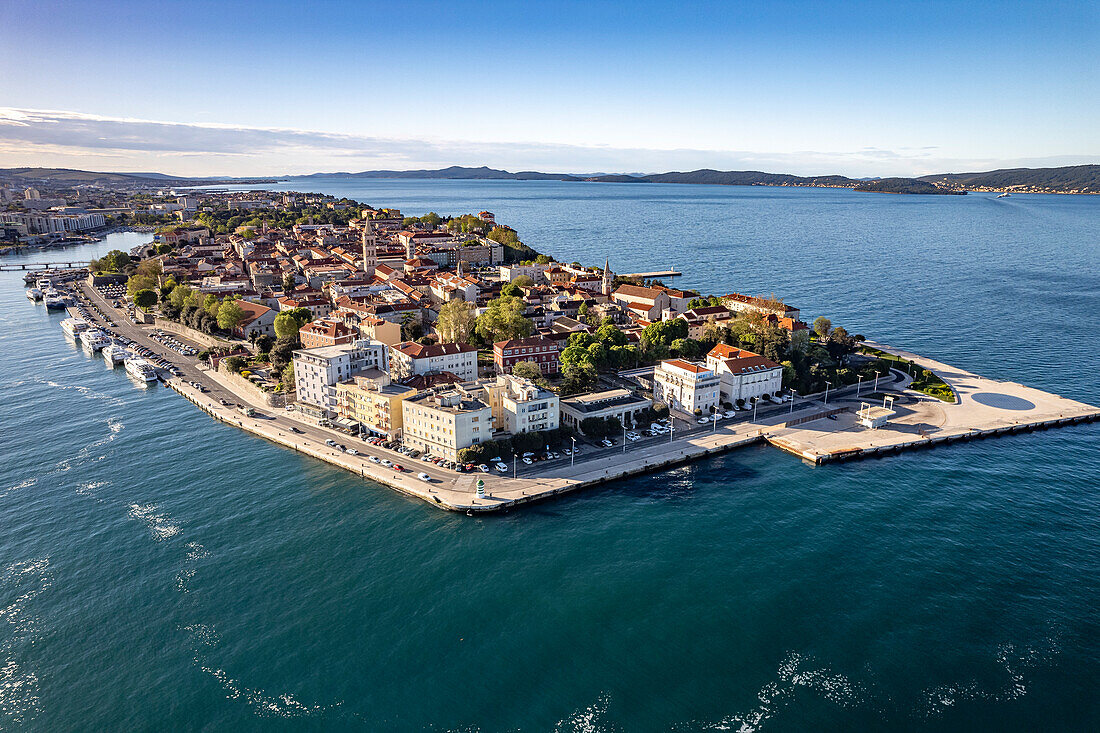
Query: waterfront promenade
{"type": "Point", "coordinates": [809, 429]}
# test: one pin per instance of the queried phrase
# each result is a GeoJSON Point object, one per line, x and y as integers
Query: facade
{"type": "Point", "coordinates": [769, 306]}
{"type": "Point", "coordinates": [257, 317]}
{"type": "Point", "coordinates": [443, 422]}
{"type": "Point", "coordinates": [620, 404]}
{"type": "Point", "coordinates": [318, 371]}
{"type": "Point", "coordinates": [378, 329]}
{"type": "Point", "coordinates": [370, 248]}
{"type": "Point", "coordinates": [409, 358]}
{"type": "Point", "coordinates": [542, 351]}
{"type": "Point", "coordinates": [374, 403]}
{"type": "Point", "coordinates": [647, 303]}
{"type": "Point", "coordinates": [686, 386]}
{"type": "Point", "coordinates": [698, 319]}
{"type": "Point", "coordinates": [54, 224]}
{"type": "Point", "coordinates": [743, 374]}
{"type": "Point", "coordinates": [520, 406]}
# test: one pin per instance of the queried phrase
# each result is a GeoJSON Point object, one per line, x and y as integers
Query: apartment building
{"type": "Point", "coordinates": [443, 422]}
{"type": "Point", "coordinates": [409, 358]}
{"type": "Point", "coordinates": [744, 375]}
{"type": "Point", "coordinates": [542, 351]}
{"type": "Point", "coordinates": [374, 403]}
{"type": "Point", "coordinates": [318, 371]}
{"type": "Point", "coordinates": [519, 405]}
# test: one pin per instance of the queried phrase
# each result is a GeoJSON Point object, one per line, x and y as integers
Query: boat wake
{"type": "Point", "coordinates": [19, 700]}
{"type": "Point", "coordinates": [591, 719]}
{"type": "Point", "coordinates": [160, 526]}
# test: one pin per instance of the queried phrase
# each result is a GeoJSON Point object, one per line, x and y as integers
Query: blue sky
{"type": "Point", "coordinates": [243, 88]}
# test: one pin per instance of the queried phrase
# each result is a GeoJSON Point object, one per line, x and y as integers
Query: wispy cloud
{"type": "Point", "coordinates": [77, 140]}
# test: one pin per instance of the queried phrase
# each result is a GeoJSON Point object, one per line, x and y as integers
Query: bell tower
{"type": "Point", "coordinates": [605, 286]}
{"type": "Point", "coordinates": [370, 248]}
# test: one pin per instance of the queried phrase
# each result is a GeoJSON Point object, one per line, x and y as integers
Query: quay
{"type": "Point", "coordinates": [810, 429]}
{"type": "Point", "coordinates": [650, 275]}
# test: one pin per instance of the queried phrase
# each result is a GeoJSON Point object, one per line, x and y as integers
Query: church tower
{"type": "Point", "coordinates": [605, 287]}
{"type": "Point", "coordinates": [370, 248]}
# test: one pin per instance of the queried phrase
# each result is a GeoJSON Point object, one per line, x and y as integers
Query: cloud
{"type": "Point", "coordinates": [77, 140]}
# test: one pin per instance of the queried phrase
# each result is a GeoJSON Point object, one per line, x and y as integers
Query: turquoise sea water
{"type": "Point", "coordinates": [159, 570]}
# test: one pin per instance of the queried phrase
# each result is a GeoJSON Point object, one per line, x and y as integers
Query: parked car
{"type": "Point", "coordinates": [527, 460]}
{"type": "Point", "coordinates": [398, 467]}
{"type": "Point", "coordinates": [352, 452]}
{"type": "Point", "coordinates": [330, 442]}
{"type": "Point", "coordinates": [372, 459]}
{"type": "Point", "coordinates": [483, 468]}
{"type": "Point", "coordinates": [424, 477]}
{"type": "Point", "coordinates": [295, 430]}
{"type": "Point", "coordinates": [502, 467]}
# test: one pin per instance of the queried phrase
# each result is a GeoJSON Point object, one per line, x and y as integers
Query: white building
{"type": "Point", "coordinates": [443, 422]}
{"type": "Point", "coordinates": [537, 273]}
{"type": "Point", "coordinates": [318, 371]}
{"type": "Point", "coordinates": [744, 375]}
{"type": "Point", "coordinates": [54, 224]}
{"type": "Point", "coordinates": [521, 406]}
{"type": "Point", "coordinates": [409, 358]}
{"type": "Point", "coordinates": [686, 386]}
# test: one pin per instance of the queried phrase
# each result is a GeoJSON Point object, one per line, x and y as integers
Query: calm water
{"type": "Point", "coordinates": [160, 570]}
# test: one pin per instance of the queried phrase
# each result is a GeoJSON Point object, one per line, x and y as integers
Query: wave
{"type": "Point", "coordinates": [160, 525]}
{"type": "Point", "coordinates": [282, 706]}
{"type": "Point", "coordinates": [19, 687]}
{"type": "Point", "coordinates": [590, 719]}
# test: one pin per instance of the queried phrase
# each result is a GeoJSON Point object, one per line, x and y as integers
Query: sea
{"type": "Point", "coordinates": [162, 571]}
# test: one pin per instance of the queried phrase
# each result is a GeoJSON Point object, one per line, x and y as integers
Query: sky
{"type": "Point", "coordinates": [278, 88]}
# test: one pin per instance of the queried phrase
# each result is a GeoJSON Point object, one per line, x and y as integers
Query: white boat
{"type": "Point", "coordinates": [93, 339]}
{"type": "Point", "coordinates": [138, 368]}
{"type": "Point", "coordinates": [1006, 194]}
{"type": "Point", "coordinates": [55, 300]}
{"type": "Point", "coordinates": [44, 283]}
{"type": "Point", "coordinates": [73, 327]}
{"type": "Point", "coordinates": [113, 353]}
{"type": "Point", "coordinates": [34, 294]}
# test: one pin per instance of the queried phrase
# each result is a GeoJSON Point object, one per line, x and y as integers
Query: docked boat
{"type": "Point", "coordinates": [115, 353]}
{"type": "Point", "coordinates": [73, 327]}
{"type": "Point", "coordinates": [93, 339]}
{"type": "Point", "coordinates": [140, 369]}
{"type": "Point", "coordinates": [54, 299]}
{"type": "Point", "coordinates": [34, 294]}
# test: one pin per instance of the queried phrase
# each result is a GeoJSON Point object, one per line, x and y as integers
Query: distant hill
{"type": "Point", "coordinates": [454, 172]}
{"type": "Point", "coordinates": [905, 185]}
{"type": "Point", "coordinates": [1070, 178]}
{"type": "Point", "coordinates": [74, 177]}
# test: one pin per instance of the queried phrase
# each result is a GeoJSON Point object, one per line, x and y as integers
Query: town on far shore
{"type": "Point", "coordinates": [447, 340]}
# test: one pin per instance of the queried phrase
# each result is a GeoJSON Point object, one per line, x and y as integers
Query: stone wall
{"type": "Point", "coordinates": [189, 333]}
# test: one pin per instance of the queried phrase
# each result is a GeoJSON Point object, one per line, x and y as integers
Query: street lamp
{"type": "Point", "coordinates": [515, 462]}
{"type": "Point", "coordinates": [573, 455]}
{"type": "Point", "coordinates": [876, 380]}
{"type": "Point", "coordinates": [623, 423]}
{"type": "Point", "coordinates": [671, 427]}
{"type": "Point", "coordinates": [827, 385]}
{"type": "Point", "coordinates": [858, 384]}
{"type": "Point", "coordinates": [792, 400]}
{"type": "Point", "coordinates": [755, 404]}
{"type": "Point", "coordinates": [714, 421]}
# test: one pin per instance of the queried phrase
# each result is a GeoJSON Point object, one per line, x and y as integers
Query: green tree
{"type": "Point", "coordinates": [511, 290]}
{"type": "Point", "coordinates": [210, 304]}
{"type": "Point", "coordinates": [283, 352]}
{"type": "Point", "coordinates": [288, 282]}
{"type": "Point", "coordinates": [822, 326]}
{"type": "Point", "coordinates": [286, 376]}
{"type": "Point", "coordinates": [234, 364]}
{"type": "Point", "coordinates": [543, 260]}
{"type": "Point", "coordinates": [610, 335]}
{"type": "Point", "coordinates": [229, 315]}
{"type": "Point", "coordinates": [456, 321]}
{"type": "Point", "coordinates": [286, 325]}
{"type": "Point", "coordinates": [578, 377]}
{"type": "Point", "coordinates": [145, 299]}
{"type": "Point", "coordinates": [527, 370]}
{"type": "Point", "coordinates": [503, 319]}
{"type": "Point", "coordinates": [264, 343]}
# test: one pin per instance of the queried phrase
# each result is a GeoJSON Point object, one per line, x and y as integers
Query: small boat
{"type": "Point", "coordinates": [34, 294]}
{"type": "Point", "coordinates": [115, 353]}
{"type": "Point", "coordinates": [54, 300]}
{"type": "Point", "coordinates": [140, 369]}
{"type": "Point", "coordinates": [93, 339]}
{"type": "Point", "coordinates": [1006, 194]}
{"type": "Point", "coordinates": [73, 327]}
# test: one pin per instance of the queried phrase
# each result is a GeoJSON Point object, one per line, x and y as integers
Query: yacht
{"type": "Point", "coordinates": [140, 369]}
{"type": "Point", "coordinates": [94, 339]}
{"type": "Point", "coordinates": [73, 327]}
{"type": "Point", "coordinates": [1006, 194]}
{"type": "Point", "coordinates": [55, 300]}
{"type": "Point", "coordinates": [34, 294]}
{"type": "Point", "coordinates": [114, 352]}
{"type": "Point", "coordinates": [44, 283]}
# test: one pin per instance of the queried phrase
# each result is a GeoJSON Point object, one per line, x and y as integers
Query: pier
{"type": "Point", "coordinates": [651, 275]}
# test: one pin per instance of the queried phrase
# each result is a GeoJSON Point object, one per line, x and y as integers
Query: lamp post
{"type": "Point", "coordinates": [792, 400]}
{"type": "Point", "coordinates": [859, 383]}
{"type": "Point", "coordinates": [515, 463]}
{"type": "Point", "coordinates": [755, 404]}
{"type": "Point", "coordinates": [671, 427]}
{"type": "Point", "coordinates": [876, 380]}
{"type": "Point", "coordinates": [623, 423]}
{"type": "Point", "coordinates": [714, 421]}
{"type": "Point", "coordinates": [573, 455]}
{"type": "Point", "coordinates": [827, 385]}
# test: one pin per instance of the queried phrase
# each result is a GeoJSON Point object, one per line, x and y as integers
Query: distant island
{"type": "Point", "coordinates": [1067, 179]}
{"type": "Point", "coordinates": [907, 185]}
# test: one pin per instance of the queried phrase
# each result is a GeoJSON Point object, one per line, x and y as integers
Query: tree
{"type": "Point", "coordinates": [289, 281]}
{"type": "Point", "coordinates": [286, 376]}
{"type": "Point", "coordinates": [234, 364]}
{"type": "Point", "coordinates": [578, 377]}
{"type": "Point", "coordinates": [282, 353]}
{"type": "Point", "coordinates": [503, 319]}
{"type": "Point", "coordinates": [230, 315]}
{"type": "Point", "coordinates": [523, 281]}
{"type": "Point", "coordinates": [511, 290]}
{"type": "Point", "coordinates": [611, 336]}
{"type": "Point", "coordinates": [145, 299]}
{"type": "Point", "coordinates": [286, 325]}
{"type": "Point", "coordinates": [264, 343]}
{"type": "Point", "coordinates": [527, 370]}
{"type": "Point", "coordinates": [210, 304]}
{"type": "Point", "coordinates": [456, 321]}
{"type": "Point", "coordinates": [178, 296]}
{"type": "Point", "coordinates": [543, 260]}
{"type": "Point", "coordinates": [687, 348]}
{"type": "Point", "coordinates": [822, 326]}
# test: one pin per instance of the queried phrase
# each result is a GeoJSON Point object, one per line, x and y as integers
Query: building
{"type": "Point", "coordinates": [378, 329]}
{"type": "Point", "coordinates": [536, 272]}
{"type": "Point", "coordinates": [54, 223]}
{"type": "Point", "coordinates": [768, 306]}
{"type": "Point", "coordinates": [542, 351]}
{"type": "Point", "coordinates": [370, 248]}
{"type": "Point", "coordinates": [317, 371]}
{"type": "Point", "coordinates": [374, 403]}
{"type": "Point", "coordinates": [744, 376]}
{"type": "Point", "coordinates": [325, 333]}
{"type": "Point", "coordinates": [442, 422]}
{"type": "Point", "coordinates": [619, 404]}
{"type": "Point", "coordinates": [647, 303]}
{"type": "Point", "coordinates": [520, 406]}
{"type": "Point", "coordinates": [686, 386]}
{"type": "Point", "coordinates": [409, 358]}
{"type": "Point", "coordinates": [698, 319]}
{"type": "Point", "coordinates": [257, 317]}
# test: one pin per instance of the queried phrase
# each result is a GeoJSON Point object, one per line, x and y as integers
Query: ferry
{"type": "Point", "coordinates": [93, 339]}
{"type": "Point", "coordinates": [140, 369]}
{"type": "Point", "coordinates": [114, 352]}
{"type": "Point", "coordinates": [1006, 194]}
{"type": "Point", "coordinates": [73, 327]}
{"type": "Point", "coordinates": [34, 294]}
